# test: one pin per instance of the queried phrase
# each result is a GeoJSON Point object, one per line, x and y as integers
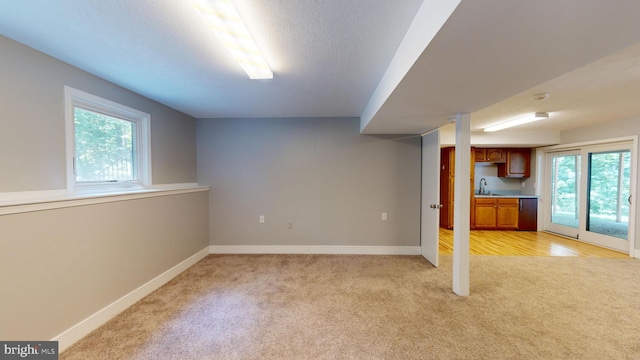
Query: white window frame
{"type": "Point", "coordinates": [142, 146]}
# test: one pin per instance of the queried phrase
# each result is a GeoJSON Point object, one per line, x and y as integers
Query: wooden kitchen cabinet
{"type": "Point", "coordinates": [490, 155]}
{"type": "Point", "coordinates": [496, 155]}
{"type": "Point", "coordinates": [447, 183]}
{"type": "Point", "coordinates": [447, 170]}
{"type": "Point", "coordinates": [507, 214]}
{"type": "Point", "coordinates": [517, 165]}
{"type": "Point", "coordinates": [485, 213]}
{"type": "Point", "coordinates": [496, 213]}
{"type": "Point", "coordinates": [446, 199]}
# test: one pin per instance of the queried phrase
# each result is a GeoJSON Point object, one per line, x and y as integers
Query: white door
{"type": "Point", "coordinates": [430, 214]}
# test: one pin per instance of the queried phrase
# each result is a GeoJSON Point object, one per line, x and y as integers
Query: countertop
{"type": "Point", "coordinates": [518, 196]}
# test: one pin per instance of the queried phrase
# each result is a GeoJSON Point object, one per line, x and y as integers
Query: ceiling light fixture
{"type": "Point", "coordinates": [541, 96]}
{"type": "Point", "coordinates": [518, 121]}
{"type": "Point", "coordinates": [224, 20]}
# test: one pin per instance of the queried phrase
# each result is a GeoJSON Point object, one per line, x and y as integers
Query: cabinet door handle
{"type": "Point", "coordinates": [520, 205]}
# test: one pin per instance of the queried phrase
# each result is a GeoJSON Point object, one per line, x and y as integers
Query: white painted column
{"type": "Point", "coordinates": [462, 207]}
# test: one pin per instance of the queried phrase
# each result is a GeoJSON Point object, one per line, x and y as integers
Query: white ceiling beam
{"type": "Point", "coordinates": [428, 21]}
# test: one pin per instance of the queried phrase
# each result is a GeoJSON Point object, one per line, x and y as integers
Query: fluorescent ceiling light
{"type": "Point", "coordinates": [224, 20]}
{"type": "Point", "coordinates": [518, 121]}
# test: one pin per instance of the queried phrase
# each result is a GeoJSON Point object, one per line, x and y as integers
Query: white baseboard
{"type": "Point", "coordinates": [314, 249]}
{"type": "Point", "coordinates": [636, 253]}
{"type": "Point", "coordinates": [83, 328]}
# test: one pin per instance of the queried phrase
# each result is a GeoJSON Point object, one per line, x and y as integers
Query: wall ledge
{"type": "Point", "coordinates": [29, 201]}
{"type": "Point", "coordinates": [315, 249]}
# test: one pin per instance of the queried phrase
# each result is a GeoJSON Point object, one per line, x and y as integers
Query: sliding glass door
{"type": "Point", "coordinates": [590, 194]}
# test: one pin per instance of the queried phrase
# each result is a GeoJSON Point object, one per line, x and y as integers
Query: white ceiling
{"type": "Point", "coordinates": [491, 50]}
{"type": "Point", "coordinates": [329, 56]}
{"type": "Point", "coordinates": [605, 90]}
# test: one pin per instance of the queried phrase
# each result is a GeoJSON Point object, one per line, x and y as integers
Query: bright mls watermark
{"type": "Point", "coordinates": [41, 350]}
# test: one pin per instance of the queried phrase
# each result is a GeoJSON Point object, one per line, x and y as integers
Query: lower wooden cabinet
{"type": "Point", "coordinates": [486, 212]}
{"type": "Point", "coordinates": [496, 213]}
{"type": "Point", "coordinates": [507, 217]}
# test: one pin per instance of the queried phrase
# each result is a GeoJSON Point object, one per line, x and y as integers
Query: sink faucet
{"type": "Point", "coordinates": [482, 187]}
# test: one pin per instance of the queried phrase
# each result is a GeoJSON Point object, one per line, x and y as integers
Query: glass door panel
{"type": "Point", "coordinates": [608, 193]}
{"type": "Point", "coordinates": [565, 190]}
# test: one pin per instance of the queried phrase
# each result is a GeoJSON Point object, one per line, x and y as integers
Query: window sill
{"type": "Point", "coordinates": [22, 202]}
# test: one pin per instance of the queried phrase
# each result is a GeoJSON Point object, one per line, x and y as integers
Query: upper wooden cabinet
{"type": "Point", "coordinates": [517, 164]}
{"type": "Point", "coordinates": [479, 154]}
{"type": "Point", "coordinates": [490, 155]}
{"type": "Point", "coordinates": [496, 155]}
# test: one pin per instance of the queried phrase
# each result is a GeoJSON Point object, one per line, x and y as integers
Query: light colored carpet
{"type": "Point", "coordinates": [380, 307]}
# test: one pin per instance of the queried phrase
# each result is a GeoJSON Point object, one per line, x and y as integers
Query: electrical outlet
{"type": "Point", "coordinates": [290, 225]}
{"type": "Point", "coordinates": [383, 217]}
{"type": "Point", "coordinates": [261, 219]}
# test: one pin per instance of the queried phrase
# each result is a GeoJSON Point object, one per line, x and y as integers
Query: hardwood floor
{"type": "Point", "coordinates": [524, 243]}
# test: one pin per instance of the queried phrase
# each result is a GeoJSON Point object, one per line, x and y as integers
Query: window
{"type": "Point", "coordinates": [107, 145]}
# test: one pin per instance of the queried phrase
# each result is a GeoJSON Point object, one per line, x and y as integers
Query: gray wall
{"type": "Point", "coordinates": [57, 267]}
{"type": "Point", "coordinates": [610, 130]}
{"type": "Point", "coordinates": [32, 143]}
{"type": "Point", "coordinates": [320, 174]}
{"type": "Point", "coordinates": [531, 183]}
{"type": "Point", "coordinates": [494, 183]}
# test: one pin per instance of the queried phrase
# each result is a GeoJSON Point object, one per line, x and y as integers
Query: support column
{"type": "Point", "coordinates": [462, 208]}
